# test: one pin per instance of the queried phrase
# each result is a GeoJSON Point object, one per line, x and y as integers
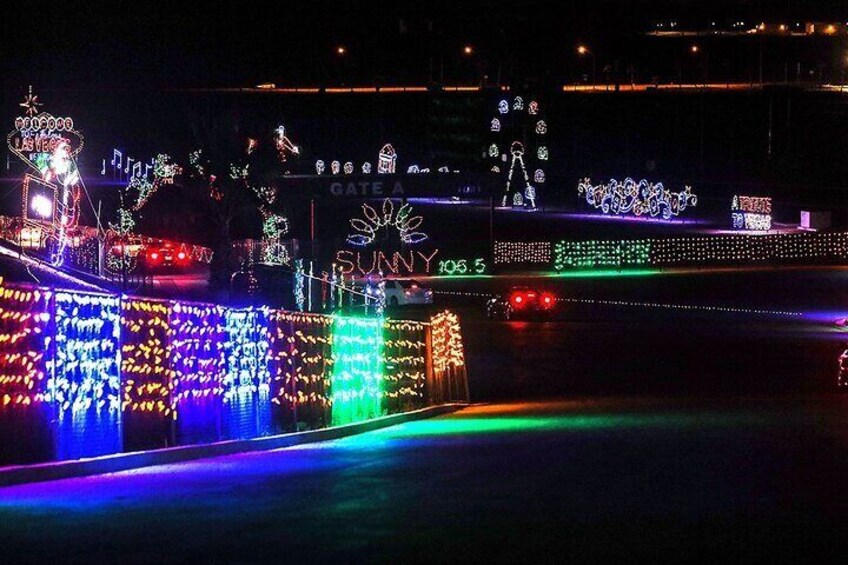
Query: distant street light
{"type": "Point", "coordinates": [341, 50]}
{"type": "Point", "coordinates": [468, 50]}
{"type": "Point", "coordinates": [696, 50]}
{"type": "Point", "coordinates": [583, 50]}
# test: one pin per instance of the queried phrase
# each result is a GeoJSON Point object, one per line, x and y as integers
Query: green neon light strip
{"type": "Point", "coordinates": [604, 273]}
{"type": "Point", "coordinates": [563, 275]}
{"type": "Point", "coordinates": [358, 382]}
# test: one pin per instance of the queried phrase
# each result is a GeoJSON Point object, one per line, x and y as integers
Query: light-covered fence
{"type": "Point", "coordinates": [84, 374]}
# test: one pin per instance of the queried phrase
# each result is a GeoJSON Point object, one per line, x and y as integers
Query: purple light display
{"type": "Point", "coordinates": [196, 338]}
{"type": "Point", "coordinates": [85, 377]}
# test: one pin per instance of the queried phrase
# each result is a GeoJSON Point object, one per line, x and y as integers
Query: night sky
{"type": "Point", "coordinates": [124, 44]}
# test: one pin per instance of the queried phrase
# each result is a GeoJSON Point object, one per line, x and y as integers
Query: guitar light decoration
{"type": "Point", "coordinates": [639, 199]}
{"type": "Point", "coordinates": [516, 149]}
{"type": "Point", "coordinates": [319, 167]}
{"type": "Point", "coordinates": [752, 213]}
{"type": "Point", "coordinates": [401, 220]}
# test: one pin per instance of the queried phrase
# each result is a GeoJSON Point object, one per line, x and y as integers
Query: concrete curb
{"type": "Point", "coordinates": [22, 474]}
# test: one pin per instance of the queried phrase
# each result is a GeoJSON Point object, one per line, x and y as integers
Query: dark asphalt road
{"type": "Point", "coordinates": [613, 432]}
{"type": "Point", "coordinates": [662, 479]}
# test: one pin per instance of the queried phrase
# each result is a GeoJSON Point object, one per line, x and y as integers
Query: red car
{"type": "Point", "coordinates": [521, 302]}
{"type": "Point", "coordinates": [165, 256]}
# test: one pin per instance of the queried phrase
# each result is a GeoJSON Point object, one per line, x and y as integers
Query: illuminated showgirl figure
{"type": "Point", "coordinates": [62, 172]}
{"type": "Point", "coordinates": [48, 146]}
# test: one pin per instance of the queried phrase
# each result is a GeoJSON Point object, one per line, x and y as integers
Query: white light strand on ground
{"type": "Point", "coordinates": [661, 305]}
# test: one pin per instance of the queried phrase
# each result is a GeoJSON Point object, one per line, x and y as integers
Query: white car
{"type": "Point", "coordinates": [400, 292]}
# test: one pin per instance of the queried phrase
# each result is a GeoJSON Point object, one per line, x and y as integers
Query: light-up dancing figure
{"type": "Point", "coordinates": [61, 171]}
{"type": "Point", "coordinates": [284, 145]}
{"type": "Point", "coordinates": [526, 192]}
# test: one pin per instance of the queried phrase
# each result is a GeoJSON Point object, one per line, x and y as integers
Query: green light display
{"type": "Point", "coordinates": [605, 273]}
{"type": "Point", "coordinates": [604, 254]}
{"type": "Point", "coordinates": [358, 383]}
{"type": "Point", "coordinates": [451, 267]}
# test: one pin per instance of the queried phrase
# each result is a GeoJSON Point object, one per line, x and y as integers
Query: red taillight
{"type": "Point", "coordinates": [181, 256]}
{"type": "Point", "coordinates": [154, 256]}
{"type": "Point", "coordinates": [548, 300]}
{"type": "Point", "coordinates": [518, 299]}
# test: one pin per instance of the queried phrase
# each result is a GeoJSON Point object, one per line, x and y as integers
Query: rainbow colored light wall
{"type": "Point", "coordinates": [86, 374]}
